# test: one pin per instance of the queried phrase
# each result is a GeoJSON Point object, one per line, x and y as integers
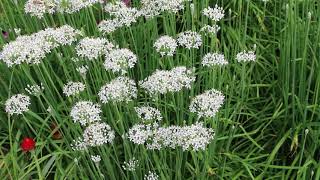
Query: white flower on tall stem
{"type": "Point", "coordinates": [17, 104]}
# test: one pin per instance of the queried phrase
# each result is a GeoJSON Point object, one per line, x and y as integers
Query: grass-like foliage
{"type": "Point", "coordinates": [160, 89]}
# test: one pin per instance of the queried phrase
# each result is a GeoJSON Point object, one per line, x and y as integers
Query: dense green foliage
{"type": "Point", "coordinates": [268, 127]}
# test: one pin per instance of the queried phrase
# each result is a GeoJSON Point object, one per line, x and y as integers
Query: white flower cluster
{"type": "Point", "coordinates": [195, 137]}
{"type": "Point", "coordinates": [98, 134]}
{"type": "Point", "coordinates": [164, 81]}
{"type": "Point", "coordinates": [121, 16]}
{"type": "Point", "coordinates": [73, 88]}
{"type": "Point", "coordinates": [17, 104]}
{"type": "Point", "coordinates": [120, 60]}
{"type": "Point", "coordinates": [214, 59]}
{"type": "Point", "coordinates": [92, 48]}
{"type": "Point", "coordinates": [39, 7]}
{"type": "Point", "coordinates": [245, 56]}
{"type": "Point", "coordinates": [121, 89]}
{"type": "Point", "coordinates": [151, 176]}
{"type": "Point", "coordinates": [82, 70]}
{"type": "Point", "coordinates": [35, 89]}
{"type": "Point", "coordinates": [85, 112]}
{"type": "Point", "coordinates": [131, 165]}
{"type": "Point", "coordinates": [166, 46]}
{"type": "Point", "coordinates": [151, 8]}
{"type": "Point", "coordinates": [148, 114]}
{"type": "Point", "coordinates": [189, 39]}
{"type": "Point", "coordinates": [31, 49]}
{"type": "Point", "coordinates": [207, 104]}
{"type": "Point", "coordinates": [96, 158]}
{"type": "Point", "coordinates": [215, 14]}
{"type": "Point", "coordinates": [207, 29]}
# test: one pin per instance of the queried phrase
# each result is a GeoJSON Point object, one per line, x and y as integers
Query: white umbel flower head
{"type": "Point", "coordinates": [82, 70]}
{"type": "Point", "coordinates": [164, 81]}
{"type": "Point", "coordinates": [121, 89]}
{"type": "Point", "coordinates": [131, 165]}
{"type": "Point", "coordinates": [215, 14]}
{"type": "Point", "coordinates": [245, 56]}
{"type": "Point", "coordinates": [166, 46]}
{"type": "Point", "coordinates": [207, 29]}
{"type": "Point", "coordinates": [40, 7]}
{"type": "Point", "coordinates": [98, 134]}
{"type": "Point", "coordinates": [189, 39]}
{"type": "Point", "coordinates": [148, 114]}
{"type": "Point", "coordinates": [35, 89]}
{"type": "Point", "coordinates": [121, 14]}
{"type": "Point", "coordinates": [95, 158]}
{"type": "Point", "coordinates": [31, 49]}
{"type": "Point", "coordinates": [120, 60]}
{"type": "Point", "coordinates": [152, 8]}
{"type": "Point", "coordinates": [73, 88]}
{"type": "Point", "coordinates": [151, 176]}
{"type": "Point", "coordinates": [93, 48]}
{"type": "Point", "coordinates": [194, 137]}
{"type": "Point", "coordinates": [207, 104]}
{"type": "Point", "coordinates": [214, 59]}
{"type": "Point", "coordinates": [85, 112]}
{"type": "Point", "coordinates": [17, 104]}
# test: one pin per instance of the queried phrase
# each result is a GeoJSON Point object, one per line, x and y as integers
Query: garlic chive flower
{"type": "Point", "coordinates": [17, 104]}
{"type": "Point", "coordinates": [245, 56]}
{"type": "Point", "coordinates": [215, 14]}
{"type": "Point", "coordinates": [207, 104]}
{"type": "Point", "coordinates": [85, 112]}
{"type": "Point", "coordinates": [121, 89]}
{"type": "Point", "coordinates": [35, 89]}
{"type": "Point", "coordinates": [214, 59]}
{"type": "Point", "coordinates": [73, 88]}
{"type": "Point", "coordinates": [194, 137]}
{"type": "Point", "coordinates": [95, 158]}
{"type": "Point", "coordinates": [212, 30]}
{"type": "Point", "coordinates": [189, 39]}
{"type": "Point", "coordinates": [39, 8]}
{"type": "Point", "coordinates": [32, 49]}
{"type": "Point", "coordinates": [120, 60]}
{"type": "Point", "coordinates": [131, 165]}
{"type": "Point", "coordinates": [151, 176]}
{"type": "Point", "coordinates": [148, 114]}
{"type": "Point", "coordinates": [165, 81]}
{"type": "Point", "coordinates": [166, 46]}
{"type": "Point", "coordinates": [121, 15]}
{"type": "Point", "coordinates": [93, 48]}
{"type": "Point", "coordinates": [98, 134]}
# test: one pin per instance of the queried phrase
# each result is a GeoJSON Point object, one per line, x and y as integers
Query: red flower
{"type": "Point", "coordinates": [27, 144]}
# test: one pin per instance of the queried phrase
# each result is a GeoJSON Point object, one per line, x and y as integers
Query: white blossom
{"type": "Point", "coordinates": [86, 112]}
{"type": "Point", "coordinates": [189, 39]}
{"type": "Point", "coordinates": [98, 134]}
{"type": "Point", "coordinates": [152, 8]}
{"type": "Point", "coordinates": [35, 89]}
{"type": "Point", "coordinates": [148, 114]}
{"type": "Point", "coordinates": [214, 59]}
{"type": "Point", "coordinates": [245, 56]}
{"type": "Point", "coordinates": [120, 60]}
{"type": "Point", "coordinates": [131, 165]}
{"type": "Point", "coordinates": [121, 14]}
{"type": "Point", "coordinates": [207, 104]}
{"type": "Point", "coordinates": [31, 49]}
{"type": "Point", "coordinates": [82, 70]}
{"type": "Point", "coordinates": [207, 29]}
{"type": "Point", "coordinates": [216, 13]}
{"type": "Point", "coordinates": [166, 46]}
{"type": "Point", "coordinates": [95, 158]}
{"type": "Point", "coordinates": [73, 88]}
{"type": "Point", "coordinates": [121, 89]}
{"type": "Point", "coordinates": [93, 48]}
{"type": "Point", "coordinates": [151, 176]}
{"type": "Point", "coordinates": [17, 104]}
{"type": "Point", "coordinates": [165, 81]}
